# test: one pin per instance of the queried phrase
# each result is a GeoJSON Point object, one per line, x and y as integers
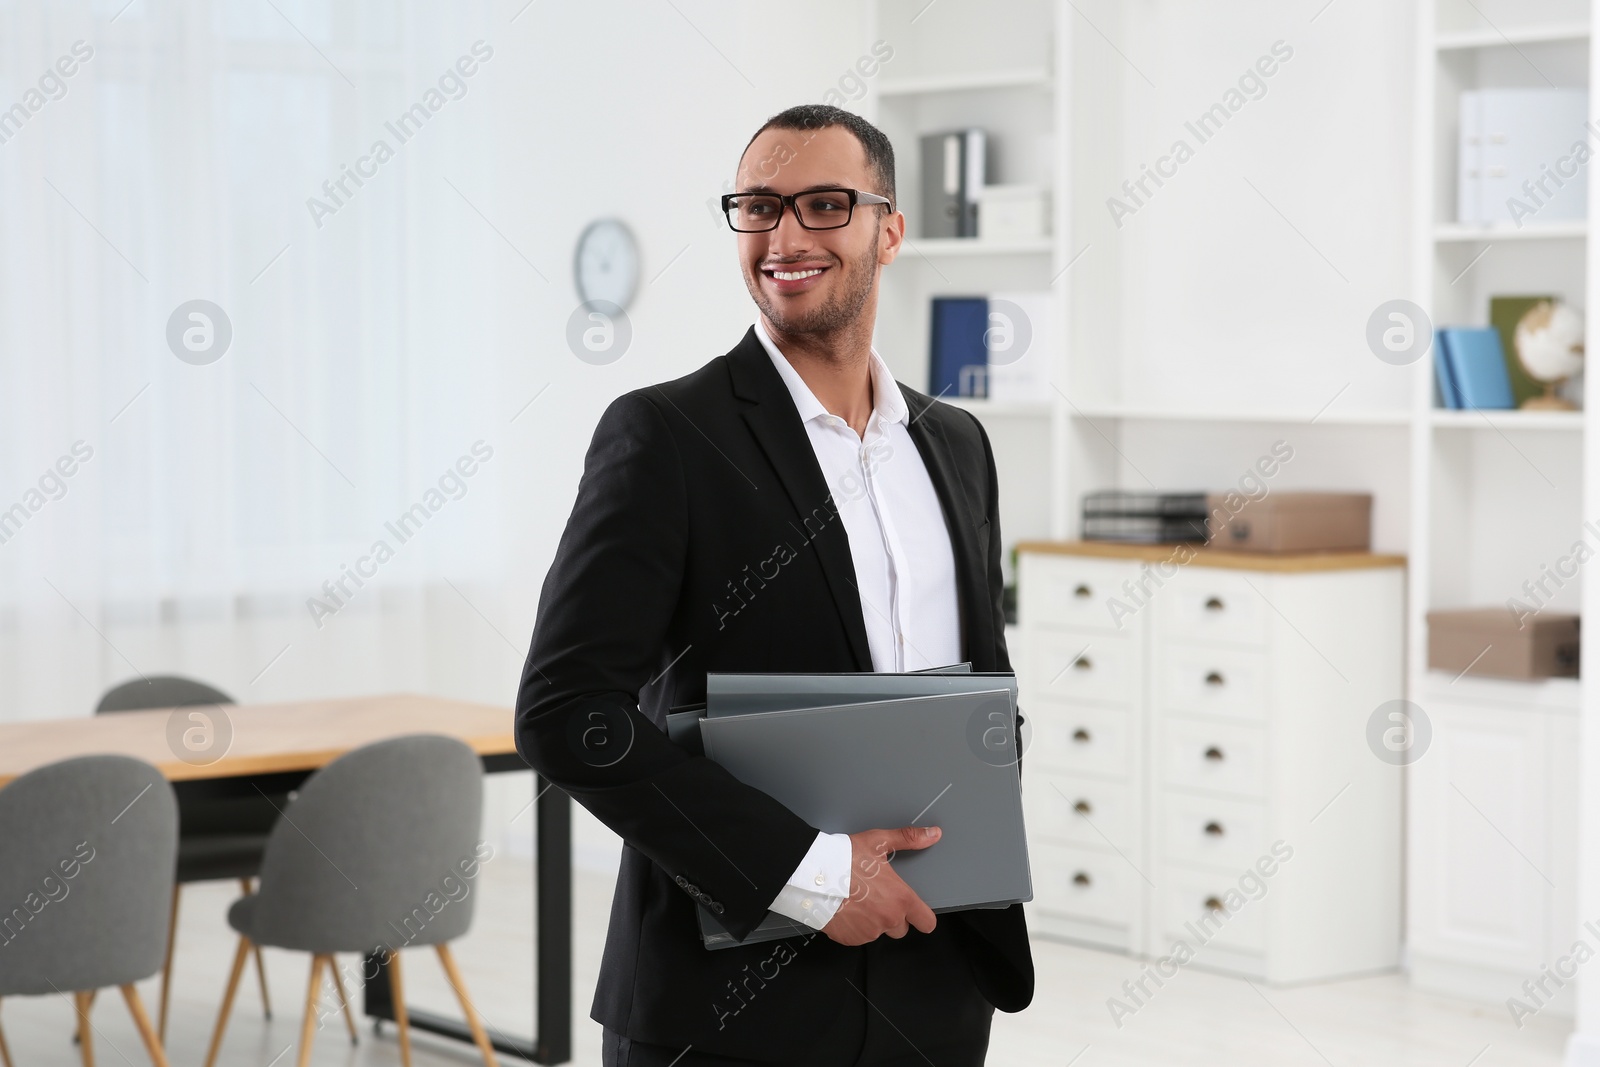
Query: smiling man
{"type": "Point", "coordinates": [786, 507]}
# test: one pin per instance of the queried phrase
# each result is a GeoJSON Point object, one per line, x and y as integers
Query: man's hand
{"type": "Point", "coordinates": [879, 901]}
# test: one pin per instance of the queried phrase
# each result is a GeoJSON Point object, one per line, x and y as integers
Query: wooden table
{"type": "Point", "coordinates": [275, 747]}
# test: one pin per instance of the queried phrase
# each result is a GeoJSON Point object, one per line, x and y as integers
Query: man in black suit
{"type": "Point", "coordinates": [786, 507]}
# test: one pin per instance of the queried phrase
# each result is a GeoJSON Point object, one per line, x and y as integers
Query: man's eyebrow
{"type": "Point", "coordinates": [807, 189]}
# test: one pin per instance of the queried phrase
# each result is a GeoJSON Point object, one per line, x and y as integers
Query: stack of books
{"type": "Point", "coordinates": [1144, 518]}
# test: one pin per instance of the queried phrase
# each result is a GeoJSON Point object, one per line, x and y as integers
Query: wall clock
{"type": "Point", "coordinates": [606, 264]}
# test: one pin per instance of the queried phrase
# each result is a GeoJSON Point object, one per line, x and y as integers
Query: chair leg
{"type": "Point", "coordinates": [152, 1041]}
{"type": "Point", "coordinates": [344, 1001]}
{"type": "Point", "coordinates": [308, 1026]}
{"type": "Point", "coordinates": [5, 1053]}
{"type": "Point", "coordinates": [227, 1000]}
{"type": "Point", "coordinates": [166, 964]}
{"type": "Point", "coordinates": [402, 1021]}
{"type": "Point", "coordinates": [82, 1002]}
{"type": "Point", "coordinates": [261, 967]}
{"type": "Point", "coordinates": [474, 1024]}
{"type": "Point", "coordinates": [76, 1040]}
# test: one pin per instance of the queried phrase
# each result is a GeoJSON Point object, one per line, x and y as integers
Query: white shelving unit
{"type": "Point", "coordinates": [1492, 849]}
{"type": "Point", "coordinates": [998, 67]}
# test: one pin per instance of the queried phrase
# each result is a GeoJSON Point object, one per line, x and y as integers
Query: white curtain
{"type": "Point", "coordinates": [214, 516]}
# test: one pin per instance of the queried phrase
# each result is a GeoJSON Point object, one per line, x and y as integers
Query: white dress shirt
{"type": "Point", "coordinates": [904, 572]}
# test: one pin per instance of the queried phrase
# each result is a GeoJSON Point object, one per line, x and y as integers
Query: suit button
{"type": "Point", "coordinates": [680, 879]}
{"type": "Point", "coordinates": [717, 908]}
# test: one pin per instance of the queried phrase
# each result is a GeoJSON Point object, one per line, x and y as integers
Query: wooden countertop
{"type": "Point", "coordinates": [267, 738]}
{"type": "Point", "coordinates": [1200, 555]}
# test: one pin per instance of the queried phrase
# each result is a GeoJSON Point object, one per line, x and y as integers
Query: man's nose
{"type": "Point", "coordinates": [790, 238]}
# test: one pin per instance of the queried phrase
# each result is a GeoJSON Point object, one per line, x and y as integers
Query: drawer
{"type": "Point", "coordinates": [1082, 883]}
{"type": "Point", "coordinates": [1069, 809]}
{"type": "Point", "coordinates": [1212, 680]}
{"type": "Point", "coordinates": [1213, 832]}
{"type": "Point", "coordinates": [1192, 907]}
{"type": "Point", "coordinates": [1070, 591]}
{"type": "Point", "coordinates": [1074, 737]}
{"type": "Point", "coordinates": [1217, 757]}
{"type": "Point", "coordinates": [1081, 665]}
{"type": "Point", "coordinates": [1206, 604]}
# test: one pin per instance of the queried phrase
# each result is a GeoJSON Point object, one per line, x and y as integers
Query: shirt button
{"type": "Point", "coordinates": [806, 903]}
{"type": "Point", "coordinates": [820, 880]}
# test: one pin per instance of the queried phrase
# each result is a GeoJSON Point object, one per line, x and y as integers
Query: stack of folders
{"type": "Point", "coordinates": [853, 752]}
{"type": "Point", "coordinates": [1144, 518]}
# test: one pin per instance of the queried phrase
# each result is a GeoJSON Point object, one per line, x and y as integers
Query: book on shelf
{"type": "Point", "coordinates": [1475, 374]}
{"type": "Point", "coordinates": [1504, 314]}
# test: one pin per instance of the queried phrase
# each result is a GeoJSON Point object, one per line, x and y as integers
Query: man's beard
{"type": "Point", "coordinates": [833, 316]}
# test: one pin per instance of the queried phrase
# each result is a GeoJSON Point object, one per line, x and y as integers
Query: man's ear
{"type": "Point", "coordinates": [891, 238]}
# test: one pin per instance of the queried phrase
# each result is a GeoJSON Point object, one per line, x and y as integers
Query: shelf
{"type": "Point", "coordinates": [984, 407]}
{"type": "Point", "coordinates": [1025, 78]}
{"type": "Point", "coordinates": [1492, 38]}
{"type": "Point", "coordinates": [1479, 419]}
{"type": "Point", "coordinates": [977, 246]}
{"type": "Point", "coordinates": [1534, 231]}
{"type": "Point", "coordinates": [1331, 417]}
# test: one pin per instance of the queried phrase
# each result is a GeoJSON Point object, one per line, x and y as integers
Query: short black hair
{"type": "Point", "coordinates": [880, 153]}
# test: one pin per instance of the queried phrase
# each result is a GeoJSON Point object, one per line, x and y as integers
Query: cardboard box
{"type": "Point", "coordinates": [1487, 642]}
{"type": "Point", "coordinates": [1292, 522]}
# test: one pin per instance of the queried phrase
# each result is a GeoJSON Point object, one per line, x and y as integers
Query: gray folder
{"type": "Point", "coordinates": [920, 760]}
{"type": "Point", "coordinates": [738, 694]}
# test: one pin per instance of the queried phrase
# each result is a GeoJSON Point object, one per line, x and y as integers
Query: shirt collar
{"type": "Point", "coordinates": [887, 402]}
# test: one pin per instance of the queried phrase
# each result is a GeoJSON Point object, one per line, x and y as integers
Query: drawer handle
{"type": "Point", "coordinates": [1214, 678]}
{"type": "Point", "coordinates": [1081, 878]}
{"type": "Point", "coordinates": [1081, 736]}
{"type": "Point", "coordinates": [1213, 904]}
{"type": "Point", "coordinates": [1214, 603]}
{"type": "Point", "coordinates": [1214, 753]}
{"type": "Point", "coordinates": [1082, 807]}
{"type": "Point", "coordinates": [1083, 592]}
{"type": "Point", "coordinates": [1214, 829]}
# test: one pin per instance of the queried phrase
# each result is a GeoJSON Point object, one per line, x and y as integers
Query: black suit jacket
{"type": "Point", "coordinates": [703, 539]}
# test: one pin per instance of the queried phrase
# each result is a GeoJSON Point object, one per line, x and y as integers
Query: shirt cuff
{"type": "Point", "coordinates": [820, 884]}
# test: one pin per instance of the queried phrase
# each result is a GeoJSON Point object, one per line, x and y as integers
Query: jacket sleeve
{"type": "Point", "coordinates": [599, 638]}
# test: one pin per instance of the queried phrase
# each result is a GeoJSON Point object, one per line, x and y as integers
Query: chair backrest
{"type": "Point", "coordinates": [87, 850]}
{"type": "Point", "coordinates": [159, 691]}
{"type": "Point", "coordinates": [378, 848]}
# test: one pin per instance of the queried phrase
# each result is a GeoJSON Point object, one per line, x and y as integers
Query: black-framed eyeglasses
{"type": "Point", "coordinates": [815, 209]}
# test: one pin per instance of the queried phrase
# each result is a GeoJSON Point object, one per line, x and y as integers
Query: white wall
{"type": "Point", "coordinates": [626, 110]}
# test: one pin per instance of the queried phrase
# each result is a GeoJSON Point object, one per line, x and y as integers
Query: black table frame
{"type": "Point", "coordinates": [552, 868]}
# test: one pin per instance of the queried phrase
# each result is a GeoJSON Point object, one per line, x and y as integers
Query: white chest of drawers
{"type": "Point", "coordinates": [1198, 769]}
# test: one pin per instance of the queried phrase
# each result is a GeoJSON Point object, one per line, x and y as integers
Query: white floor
{"type": "Point", "coordinates": [1198, 1018]}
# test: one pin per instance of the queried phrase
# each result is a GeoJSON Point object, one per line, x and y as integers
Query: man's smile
{"type": "Point", "coordinates": [794, 277]}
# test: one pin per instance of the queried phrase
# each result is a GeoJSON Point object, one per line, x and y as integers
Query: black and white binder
{"type": "Point", "coordinates": [952, 174]}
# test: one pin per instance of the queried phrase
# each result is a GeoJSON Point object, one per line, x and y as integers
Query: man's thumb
{"type": "Point", "coordinates": [916, 836]}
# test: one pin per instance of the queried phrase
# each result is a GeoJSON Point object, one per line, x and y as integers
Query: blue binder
{"type": "Point", "coordinates": [1477, 365]}
{"type": "Point", "coordinates": [956, 341]}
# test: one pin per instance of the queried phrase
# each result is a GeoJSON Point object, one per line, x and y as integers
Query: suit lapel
{"type": "Point", "coordinates": [977, 628]}
{"type": "Point", "coordinates": [776, 426]}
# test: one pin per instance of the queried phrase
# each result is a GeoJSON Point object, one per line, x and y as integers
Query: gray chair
{"type": "Point", "coordinates": [365, 860]}
{"type": "Point", "coordinates": [87, 852]}
{"type": "Point", "coordinates": [218, 837]}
